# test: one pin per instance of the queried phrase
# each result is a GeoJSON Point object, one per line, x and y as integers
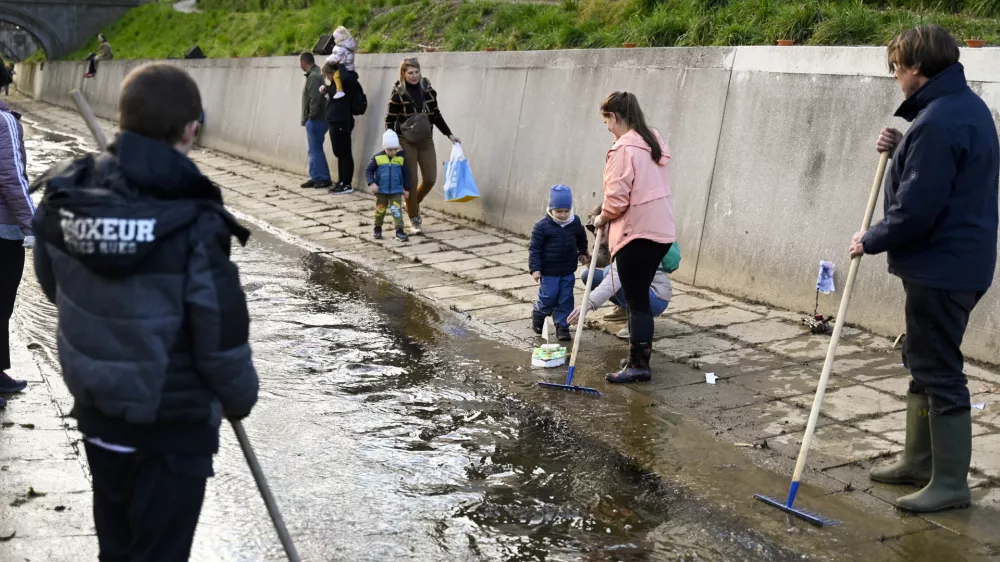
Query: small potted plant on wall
{"type": "Point", "coordinates": [975, 43]}
{"type": "Point", "coordinates": [786, 42]}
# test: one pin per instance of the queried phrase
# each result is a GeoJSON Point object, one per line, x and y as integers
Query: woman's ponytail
{"type": "Point", "coordinates": [625, 106]}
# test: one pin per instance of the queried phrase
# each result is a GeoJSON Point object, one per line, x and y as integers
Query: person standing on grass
{"type": "Point", "coordinates": [413, 113]}
{"type": "Point", "coordinates": [940, 234]}
{"type": "Point", "coordinates": [639, 217]}
{"type": "Point", "coordinates": [340, 121]}
{"type": "Point", "coordinates": [16, 233]}
{"type": "Point", "coordinates": [314, 120]}
{"type": "Point", "coordinates": [134, 249]}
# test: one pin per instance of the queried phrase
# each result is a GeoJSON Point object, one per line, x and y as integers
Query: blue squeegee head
{"type": "Point", "coordinates": [812, 518]}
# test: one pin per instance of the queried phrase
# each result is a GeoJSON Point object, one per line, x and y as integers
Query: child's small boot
{"type": "Point", "coordinates": [636, 369]}
{"type": "Point", "coordinates": [562, 332]}
{"type": "Point", "coordinates": [378, 232]}
{"type": "Point", "coordinates": [537, 322]}
{"type": "Point", "coordinates": [401, 235]}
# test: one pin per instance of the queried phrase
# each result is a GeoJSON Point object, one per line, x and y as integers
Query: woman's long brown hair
{"type": "Point", "coordinates": [626, 108]}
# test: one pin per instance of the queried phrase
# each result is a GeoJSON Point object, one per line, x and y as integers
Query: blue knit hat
{"type": "Point", "coordinates": [560, 197]}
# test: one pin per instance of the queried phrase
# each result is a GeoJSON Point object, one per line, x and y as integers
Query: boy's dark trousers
{"type": "Point", "coordinates": [146, 505]}
{"type": "Point", "coordinates": [555, 298]}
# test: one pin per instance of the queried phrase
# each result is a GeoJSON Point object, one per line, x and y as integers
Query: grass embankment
{"type": "Point", "coordinates": [244, 28]}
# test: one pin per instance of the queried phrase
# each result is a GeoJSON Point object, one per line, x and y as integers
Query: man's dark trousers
{"type": "Point", "coordinates": [935, 326]}
{"type": "Point", "coordinates": [146, 505]}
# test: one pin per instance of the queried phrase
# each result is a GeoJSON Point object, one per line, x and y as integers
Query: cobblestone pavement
{"type": "Point", "coordinates": [766, 361]}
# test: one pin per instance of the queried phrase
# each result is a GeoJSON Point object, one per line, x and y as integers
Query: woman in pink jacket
{"type": "Point", "coordinates": [639, 217]}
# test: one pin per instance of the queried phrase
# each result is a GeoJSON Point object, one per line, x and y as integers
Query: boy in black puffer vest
{"type": "Point", "coordinates": [558, 241]}
{"type": "Point", "coordinates": [133, 247]}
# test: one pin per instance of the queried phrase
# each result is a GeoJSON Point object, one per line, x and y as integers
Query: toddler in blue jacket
{"type": "Point", "coordinates": [558, 242]}
{"type": "Point", "coordinates": [389, 178]}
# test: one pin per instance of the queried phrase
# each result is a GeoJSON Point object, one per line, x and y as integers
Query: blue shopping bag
{"type": "Point", "coordinates": [459, 185]}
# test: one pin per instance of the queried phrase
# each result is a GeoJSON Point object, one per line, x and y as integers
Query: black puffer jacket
{"type": "Point", "coordinates": [133, 248]}
{"type": "Point", "coordinates": [554, 249]}
{"type": "Point", "coordinates": [339, 110]}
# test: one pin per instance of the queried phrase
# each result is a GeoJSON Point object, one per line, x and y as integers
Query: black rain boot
{"type": "Point", "coordinates": [10, 385]}
{"type": "Point", "coordinates": [562, 333]}
{"type": "Point", "coordinates": [401, 236]}
{"type": "Point", "coordinates": [951, 450]}
{"type": "Point", "coordinates": [637, 368]}
{"type": "Point", "coordinates": [914, 466]}
{"type": "Point", "coordinates": [378, 233]}
{"type": "Point", "coordinates": [537, 322]}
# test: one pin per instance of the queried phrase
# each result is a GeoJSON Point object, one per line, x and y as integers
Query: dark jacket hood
{"type": "Point", "coordinates": [950, 81]}
{"type": "Point", "coordinates": [110, 211]}
{"type": "Point", "coordinates": [159, 170]}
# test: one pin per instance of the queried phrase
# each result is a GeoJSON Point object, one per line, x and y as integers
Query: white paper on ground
{"type": "Point", "coordinates": [710, 378]}
{"type": "Point", "coordinates": [980, 406]}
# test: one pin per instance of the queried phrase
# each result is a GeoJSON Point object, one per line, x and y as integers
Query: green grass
{"type": "Point", "coordinates": [246, 28]}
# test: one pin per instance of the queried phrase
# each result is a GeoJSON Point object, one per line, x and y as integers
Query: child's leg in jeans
{"type": "Point", "coordinates": [656, 304]}
{"type": "Point", "coordinates": [381, 202]}
{"type": "Point", "coordinates": [564, 302]}
{"type": "Point", "coordinates": [396, 208]}
{"type": "Point", "coordinates": [598, 277]}
{"type": "Point", "coordinates": [548, 296]}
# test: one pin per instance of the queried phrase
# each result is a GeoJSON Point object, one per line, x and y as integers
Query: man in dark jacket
{"type": "Point", "coordinates": [16, 234]}
{"type": "Point", "coordinates": [314, 120]}
{"type": "Point", "coordinates": [940, 233]}
{"type": "Point", "coordinates": [340, 120]}
{"type": "Point", "coordinates": [133, 248]}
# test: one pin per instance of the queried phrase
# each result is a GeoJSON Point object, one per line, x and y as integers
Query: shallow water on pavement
{"type": "Point", "coordinates": [384, 436]}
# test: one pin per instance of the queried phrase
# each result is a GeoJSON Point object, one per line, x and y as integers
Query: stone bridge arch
{"type": "Point", "coordinates": [62, 26]}
{"type": "Point", "coordinates": [47, 37]}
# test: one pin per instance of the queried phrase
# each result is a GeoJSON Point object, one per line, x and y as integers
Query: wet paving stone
{"type": "Point", "coordinates": [763, 331]}
{"type": "Point", "coordinates": [853, 402]}
{"type": "Point", "coordinates": [805, 348]}
{"type": "Point", "coordinates": [717, 317]}
{"type": "Point", "coordinates": [835, 445]}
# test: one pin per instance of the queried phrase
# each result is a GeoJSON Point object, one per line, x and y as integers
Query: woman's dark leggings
{"type": "Point", "coordinates": [637, 265]}
{"type": "Point", "coordinates": [11, 267]}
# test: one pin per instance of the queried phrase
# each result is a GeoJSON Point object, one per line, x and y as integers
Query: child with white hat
{"type": "Point", "coordinates": [389, 179]}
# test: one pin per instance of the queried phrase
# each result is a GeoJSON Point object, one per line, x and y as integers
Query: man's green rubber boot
{"type": "Point", "coordinates": [951, 443]}
{"type": "Point", "coordinates": [914, 466]}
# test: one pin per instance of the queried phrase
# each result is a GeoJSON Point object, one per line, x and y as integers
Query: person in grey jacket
{"type": "Point", "coordinates": [609, 287]}
{"type": "Point", "coordinates": [133, 248]}
{"type": "Point", "coordinates": [314, 120]}
{"type": "Point", "coordinates": [16, 210]}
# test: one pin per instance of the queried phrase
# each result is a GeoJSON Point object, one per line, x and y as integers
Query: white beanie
{"type": "Point", "coordinates": [390, 140]}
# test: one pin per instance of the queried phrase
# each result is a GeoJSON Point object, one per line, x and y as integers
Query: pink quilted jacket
{"type": "Point", "coordinates": [637, 193]}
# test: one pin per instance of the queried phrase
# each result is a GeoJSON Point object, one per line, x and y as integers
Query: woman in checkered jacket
{"type": "Point", "coordinates": [413, 113]}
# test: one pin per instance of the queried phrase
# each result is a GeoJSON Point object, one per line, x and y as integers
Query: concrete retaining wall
{"type": "Point", "coordinates": [772, 147]}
